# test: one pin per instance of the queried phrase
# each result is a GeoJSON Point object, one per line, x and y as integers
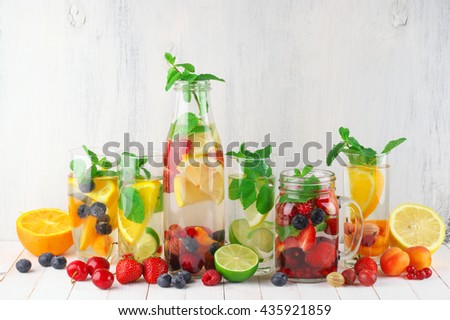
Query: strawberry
{"type": "Point", "coordinates": [285, 213]}
{"type": "Point", "coordinates": [128, 270]}
{"type": "Point", "coordinates": [307, 238]}
{"type": "Point", "coordinates": [366, 263]}
{"type": "Point", "coordinates": [323, 255]}
{"type": "Point", "coordinates": [290, 242]}
{"type": "Point", "coordinates": [153, 268]}
{"type": "Point", "coordinates": [332, 227]}
{"type": "Point", "coordinates": [305, 208]}
{"type": "Point", "coordinates": [329, 203]}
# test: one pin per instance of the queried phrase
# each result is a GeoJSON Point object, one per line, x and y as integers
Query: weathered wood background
{"type": "Point", "coordinates": [85, 72]}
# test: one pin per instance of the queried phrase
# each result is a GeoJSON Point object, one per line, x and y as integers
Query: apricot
{"type": "Point", "coordinates": [419, 256]}
{"type": "Point", "coordinates": [394, 261]}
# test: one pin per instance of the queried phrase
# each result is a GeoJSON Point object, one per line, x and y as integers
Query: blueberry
{"type": "Point", "coordinates": [59, 262]}
{"type": "Point", "coordinates": [178, 281]}
{"type": "Point", "coordinates": [279, 279]}
{"type": "Point", "coordinates": [103, 228]}
{"type": "Point", "coordinates": [83, 211]}
{"type": "Point", "coordinates": [219, 235]}
{"type": "Point", "coordinates": [164, 280]}
{"type": "Point", "coordinates": [45, 259]}
{"type": "Point", "coordinates": [186, 275]}
{"type": "Point", "coordinates": [191, 244]}
{"type": "Point", "coordinates": [87, 187]}
{"type": "Point", "coordinates": [213, 247]}
{"type": "Point", "coordinates": [23, 265]}
{"type": "Point", "coordinates": [318, 216]}
{"type": "Point", "coordinates": [106, 218]}
{"type": "Point", "coordinates": [98, 210]}
{"type": "Point", "coordinates": [300, 222]}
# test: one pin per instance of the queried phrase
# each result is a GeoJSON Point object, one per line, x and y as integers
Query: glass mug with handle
{"type": "Point", "coordinates": [310, 220]}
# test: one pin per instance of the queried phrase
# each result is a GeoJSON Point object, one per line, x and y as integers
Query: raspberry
{"type": "Point", "coordinates": [211, 278]}
{"type": "Point", "coordinates": [305, 208]}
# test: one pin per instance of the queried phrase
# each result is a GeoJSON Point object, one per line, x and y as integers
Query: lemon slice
{"type": "Point", "coordinates": [199, 177]}
{"type": "Point", "coordinates": [416, 225]}
{"type": "Point", "coordinates": [253, 217]}
{"type": "Point", "coordinates": [149, 193]}
{"type": "Point", "coordinates": [366, 187]}
{"type": "Point", "coordinates": [236, 263]}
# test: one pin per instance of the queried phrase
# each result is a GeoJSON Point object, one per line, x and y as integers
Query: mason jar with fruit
{"type": "Point", "coordinates": [307, 225]}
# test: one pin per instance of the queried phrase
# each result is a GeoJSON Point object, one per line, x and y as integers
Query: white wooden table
{"type": "Point", "coordinates": [49, 284]}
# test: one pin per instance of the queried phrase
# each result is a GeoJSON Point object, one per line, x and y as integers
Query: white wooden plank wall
{"type": "Point", "coordinates": [79, 71]}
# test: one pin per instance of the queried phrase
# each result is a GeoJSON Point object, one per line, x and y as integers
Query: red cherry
{"type": "Point", "coordinates": [103, 279]}
{"type": "Point", "coordinates": [428, 272]}
{"type": "Point", "coordinates": [77, 270]}
{"type": "Point", "coordinates": [95, 263]}
{"type": "Point", "coordinates": [420, 275]}
{"type": "Point", "coordinates": [410, 276]}
{"type": "Point", "coordinates": [411, 269]}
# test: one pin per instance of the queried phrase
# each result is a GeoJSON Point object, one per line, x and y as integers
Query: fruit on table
{"type": "Point", "coordinates": [23, 265]}
{"type": "Point", "coordinates": [178, 281]}
{"type": "Point", "coordinates": [45, 259]}
{"type": "Point", "coordinates": [335, 279]}
{"type": "Point", "coordinates": [153, 268]}
{"type": "Point", "coordinates": [59, 262]}
{"type": "Point", "coordinates": [128, 270]}
{"type": "Point", "coordinates": [366, 187]}
{"type": "Point", "coordinates": [366, 277]}
{"type": "Point", "coordinates": [77, 270]}
{"type": "Point", "coordinates": [45, 230]}
{"type": "Point", "coordinates": [211, 278]}
{"type": "Point", "coordinates": [349, 276]}
{"type": "Point", "coordinates": [365, 263]}
{"type": "Point", "coordinates": [416, 225]}
{"type": "Point", "coordinates": [186, 275]}
{"type": "Point", "coordinates": [394, 261]}
{"type": "Point", "coordinates": [164, 280]}
{"type": "Point", "coordinates": [419, 256]}
{"type": "Point", "coordinates": [235, 262]}
{"type": "Point", "coordinates": [279, 279]}
{"type": "Point", "coordinates": [95, 263]}
{"type": "Point", "coordinates": [103, 279]}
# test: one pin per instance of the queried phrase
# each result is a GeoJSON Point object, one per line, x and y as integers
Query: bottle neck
{"type": "Point", "coordinates": [193, 98]}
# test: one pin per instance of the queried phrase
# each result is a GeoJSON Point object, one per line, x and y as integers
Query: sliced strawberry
{"type": "Point", "coordinates": [307, 238]}
{"type": "Point", "coordinates": [323, 255]}
{"type": "Point", "coordinates": [329, 203]}
{"type": "Point", "coordinates": [332, 227]}
{"type": "Point", "coordinates": [290, 242]}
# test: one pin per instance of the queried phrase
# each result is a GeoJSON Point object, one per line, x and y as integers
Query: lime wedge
{"type": "Point", "coordinates": [235, 262]}
{"type": "Point", "coordinates": [147, 245]}
{"type": "Point", "coordinates": [253, 217]}
{"type": "Point", "coordinates": [261, 239]}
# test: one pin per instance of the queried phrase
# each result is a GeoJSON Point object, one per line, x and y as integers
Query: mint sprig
{"type": "Point", "coordinates": [96, 168]}
{"type": "Point", "coordinates": [255, 185]}
{"type": "Point", "coordinates": [310, 184]}
{"type": "Point", "coordinates": [357, 153]}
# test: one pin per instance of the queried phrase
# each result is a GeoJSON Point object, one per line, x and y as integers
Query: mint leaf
{"type": "Point", "coordinates": [321, 226]}
{"type": "Point", "coordinates": [264, 152]}
{"type": "Point", "coordinates": [208, 76]}
{"type": "Point", "coordinates": [334, 152]}
{"type": "Point", "coordinates": [78, 167]}
{"type": "Point", "coordinates": [265, 199]}
{"type": "Point", "coordinates": [297, 172]}
{"type": "Point", "coordinates": [284, 232]}
{"type": "Point", "coordinates": [106, 173]}
{"type": "Point", "coordinates": [393, 144]}
{"type": "Point", "coordinates": [307, 169]}
{"type": "Point", "coordinates": [344, 133]}
{"type": "Point", "coordinates": [185, 124]}
{"type": "Point", "coordinates": [187, 96]}
{"type": "Point", "coordinates": [248, 193]}
{"type": "Point", "coordinates": [234, 189]}
{"type": "Point", "coordinates": [91, 154]}
{"type": "Point", "coordinates": [147, 173]}
{"type": "Point", "coordinates": [104, 163]}
{"type": "Point", "coordinates": [132, 205]}
{"type": "Point", "coordinates": [187, 66]}
{"type": "Point", "coordinates": [203, 102]}
{"type": "Point", "coordinates": [92, 171]}
{"type": "Point", "coordinates": [173, 78]}
{"type": "Point", "coordinates": [170, 59]}
{"type": "Point", "coordinates": [353, 143]}
{"type": "Point", "coordinates": [200, 128]}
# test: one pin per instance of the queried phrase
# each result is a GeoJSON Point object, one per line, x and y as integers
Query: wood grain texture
{"type": "Point", "coordinates": [294, 69]}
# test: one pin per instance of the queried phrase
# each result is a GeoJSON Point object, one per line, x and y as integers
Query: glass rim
{"type": "Point", "coordinates": [202, 85]}
{"type": "Point", "coordinates": [324, 176]}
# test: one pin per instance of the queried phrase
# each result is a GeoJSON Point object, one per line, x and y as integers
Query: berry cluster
{"type": "Point", "coordinates": [97, 210]}
{"type": "Point", "coordinates": [46, 260]}
{"type": "Point", "coordinates": [414, 274]}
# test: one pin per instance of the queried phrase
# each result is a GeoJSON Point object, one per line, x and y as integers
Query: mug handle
{"type": "Point", "coordinates": [355, 211]}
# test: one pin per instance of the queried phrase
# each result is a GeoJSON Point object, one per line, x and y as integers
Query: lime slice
{"type": "Point", "coordinates": [147, 245]}
{"type": "Point", "coordinates": [253, 217]}
{"type": "Point", "coordinates": [235, 262]}
{"type": "Point", "coordinates": [259, 239]}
